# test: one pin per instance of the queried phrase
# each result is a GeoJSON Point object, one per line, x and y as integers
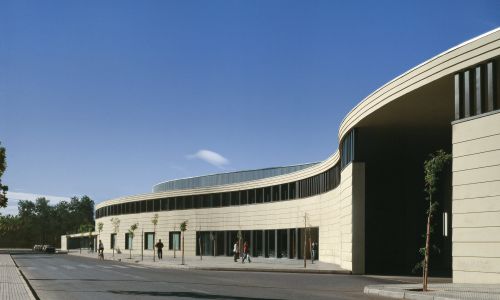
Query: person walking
{"type": "Point", "coordinates": [246, 253]}
{"type": "Point", "coordinates": [235, 251]}
{"type": "Point", "coordinates": [159, 246]}
{"type": "Point", "coordinates": [314, 249]}
{"type": "Point", "coordinates": [101, 250]}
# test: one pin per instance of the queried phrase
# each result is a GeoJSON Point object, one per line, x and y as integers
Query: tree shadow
{"type": "Point", "coordinates": [191, 295]}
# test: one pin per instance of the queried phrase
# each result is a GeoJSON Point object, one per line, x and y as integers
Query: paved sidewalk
{"type": "Point", "coordinates": [438, 291]}
{"type": "Point", "coordinates": [12, 285]}
{"type": "Point", "coordinates": [225, 263]}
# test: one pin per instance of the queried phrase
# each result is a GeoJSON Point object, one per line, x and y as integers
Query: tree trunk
{"type": "Point", "coordinates": [305, 241]}
{"type": "Point", "coordinates": [182, 247]}
{"type": "Point", "coordinates": [427, 242]}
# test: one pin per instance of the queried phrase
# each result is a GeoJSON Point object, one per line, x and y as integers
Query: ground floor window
{"type": "Point", "coordinates": [113, 240]}
{"type": "Point", "coordinates": [128, 241]}
{"type": "Point", "coordinates": [291, 243]}
{"type": "Point", "coordinates": [174, 240]}
{"type": "Point", "coordinates": [149, 240]}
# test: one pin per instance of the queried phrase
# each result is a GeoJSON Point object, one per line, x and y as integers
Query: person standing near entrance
{"type": "Point", "coordinates": [235, 251]}
{"type": "Point", "coordinates": [101, 250]}
{"type": "Point", "coordinates": [159, 245]}
{"type": "Point", "coordinates": [246, 254]}
{"type": "Point", "coordinates": [314, 249]}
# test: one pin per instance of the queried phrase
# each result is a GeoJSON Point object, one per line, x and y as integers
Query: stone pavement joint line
{"type": "Point", "coordinates": [437, 291]}
{"type": "Point", "coordinates": [12, 285]}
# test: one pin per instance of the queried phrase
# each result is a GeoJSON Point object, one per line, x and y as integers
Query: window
{"type": "Point", "coordinates": [171, 203]}
{"type": "Point", "coordinates": [174, 240]}
{"type": "Point", "coordinates": [251, 196]}
{"type": "Point", "coordinates": [157, 205]}
{"type": "Point", "coordinates": [128, 241]}
{"type": "Point", "coordinates": [197, 201]}
{"type": "Point", "coordinates": [243, 198]}
{"type": "Point", "coordinates": [188, 202]}
{"type": "Point", "coordinates": [284, 191]}
{"type": "Point", "coordinates": [235, 199]}
{"type": "Point", "coordinates": [225, 199]}
{"type": "Point", "coordinates": [276, 193]}
{"type": "Point", "coordinates": [164, 204]}
{"type": "Point", "coordinates": [113, 240]}
{"type": "Point", "coordinates": [179, 203]}
{"type": "Point", "coordinates": [149, 240]}
{"type": "Point", "coordinates": [207, 201]}
{"type": "Point", "coordinates": [216, 202]}
{"type": "Point", "coordinates": [259, 195]}
{"type": "Point", "coordinates": [267, 194]}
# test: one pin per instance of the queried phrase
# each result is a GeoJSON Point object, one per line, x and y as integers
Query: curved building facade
{"type": "Point", "coordinates": [364, 204]}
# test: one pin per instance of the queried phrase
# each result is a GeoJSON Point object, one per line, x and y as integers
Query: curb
{"type": "Point", "coordinates": [402, 294]}
{"type": "Point", "coordinates": [27, 286]}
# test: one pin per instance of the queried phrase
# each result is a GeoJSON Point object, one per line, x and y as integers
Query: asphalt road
{"type": "Point", "coordinates": [71, 277]}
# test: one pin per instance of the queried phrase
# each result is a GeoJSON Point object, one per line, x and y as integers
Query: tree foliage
{"type": "Point", "coordinates": [433, 168]}
{"type": "Point", "coordinates": [3, 188]}
{"type": "Point", "coordinates": [39, 222]}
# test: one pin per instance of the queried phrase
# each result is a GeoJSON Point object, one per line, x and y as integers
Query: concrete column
{"type": "Point", "coordinates": [297, 243]}
{"type": "Point", "coordinates": [276, 243]}
{"type": "Point", "coordinates": [225, 243]}
{"type": "Point", "coordinates": [288, 243]}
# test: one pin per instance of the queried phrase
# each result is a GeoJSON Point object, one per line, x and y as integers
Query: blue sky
{"type": "Point", "coordinates": [107, 98]}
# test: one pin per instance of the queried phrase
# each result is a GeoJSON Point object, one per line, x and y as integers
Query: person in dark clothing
{"type": "Point", "coordinates": [159, 246]}
{"type": "Point", "coordinates": [314, 251]}
{"type": "Point", "coordinates": [101, 250]}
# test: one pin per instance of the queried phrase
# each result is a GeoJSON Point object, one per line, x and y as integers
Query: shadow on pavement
{"type": "Point", "coordinates": [185, 295]}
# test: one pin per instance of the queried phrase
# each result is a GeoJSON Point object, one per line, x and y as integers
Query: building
{"type": "Point", "coordinates": [365, 203]}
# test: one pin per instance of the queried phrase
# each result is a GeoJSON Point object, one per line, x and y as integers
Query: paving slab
{"type": "Point", "coordinates": [12, 284]}
{"type": "Point", "coordinates": [437, 291]}
{"type": "Point", "coordinates": [224, 263]}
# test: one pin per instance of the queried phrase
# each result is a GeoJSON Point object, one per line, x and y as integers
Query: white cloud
{"type": "Point", "coordinates": [210, 157]}
{"type": "Point", "coordinates": [14, 198]}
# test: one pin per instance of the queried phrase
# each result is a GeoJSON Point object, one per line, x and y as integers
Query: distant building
{"type": "Point", "coordinates": [365, 203]}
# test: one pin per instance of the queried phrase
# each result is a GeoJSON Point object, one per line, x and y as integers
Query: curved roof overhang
{"type": "Point", "coordinates": [409, 93]}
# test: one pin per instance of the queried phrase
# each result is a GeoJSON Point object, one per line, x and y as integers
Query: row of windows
{"type": "Point", "coordinates": [347, 147]}
{"type": "Point", "coordinates": [304, 188]}
{"type": "Point", "coordinates": [476, 90]}
{"type": "Point", "coordinates": [149, 240]}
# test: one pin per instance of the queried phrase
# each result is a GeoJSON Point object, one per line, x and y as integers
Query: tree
{"type": "Point", "coordinates": [115, 222]}
{"type": "Point", "coordinates": [183, 228]}
{"type": "Point", "coordinates": [131, 234]}
{"type": "Point", "coordinates": [305, 239]}
{"type": "Point", "coordinates": [155, 222]}
{"type": "Point", "coordinates": [433, 167]}
{"type": "Point", "coordinates": [3, 188]}
{"type": "Point", "coordinates": [100, 226]}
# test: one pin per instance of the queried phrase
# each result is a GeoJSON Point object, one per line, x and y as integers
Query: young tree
{"type": "Point", "coordinates": [115, 222]}
{"type": "Point", "coordinates": [131, 233]}
{"type": "Point", "coordinates": [183, 228]}
{"type": "Point", "coordinates": [305, 240]}
{"type": "Point", "coordinates": [155, 222]}
{"type": "Point", "coordinates": [3, 188]}
{"type": "Point", "coordinates": [100, 226]}
{"type": "Point", "coordinates": [433, 167]}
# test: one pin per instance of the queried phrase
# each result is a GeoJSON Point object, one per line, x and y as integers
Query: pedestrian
{"type": "Point", "coordinates": [159, 245]}
{"type": "Point", "coordinates": [314, 249]}
{"type": "Point", "coordinates": [101, 250]}
{"type": "Point", "coordinates": [235, 251]}
{"type": "Point", "coordinates": [246, 254]}
{"type": "Point", "coordinates": [91, 247]}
